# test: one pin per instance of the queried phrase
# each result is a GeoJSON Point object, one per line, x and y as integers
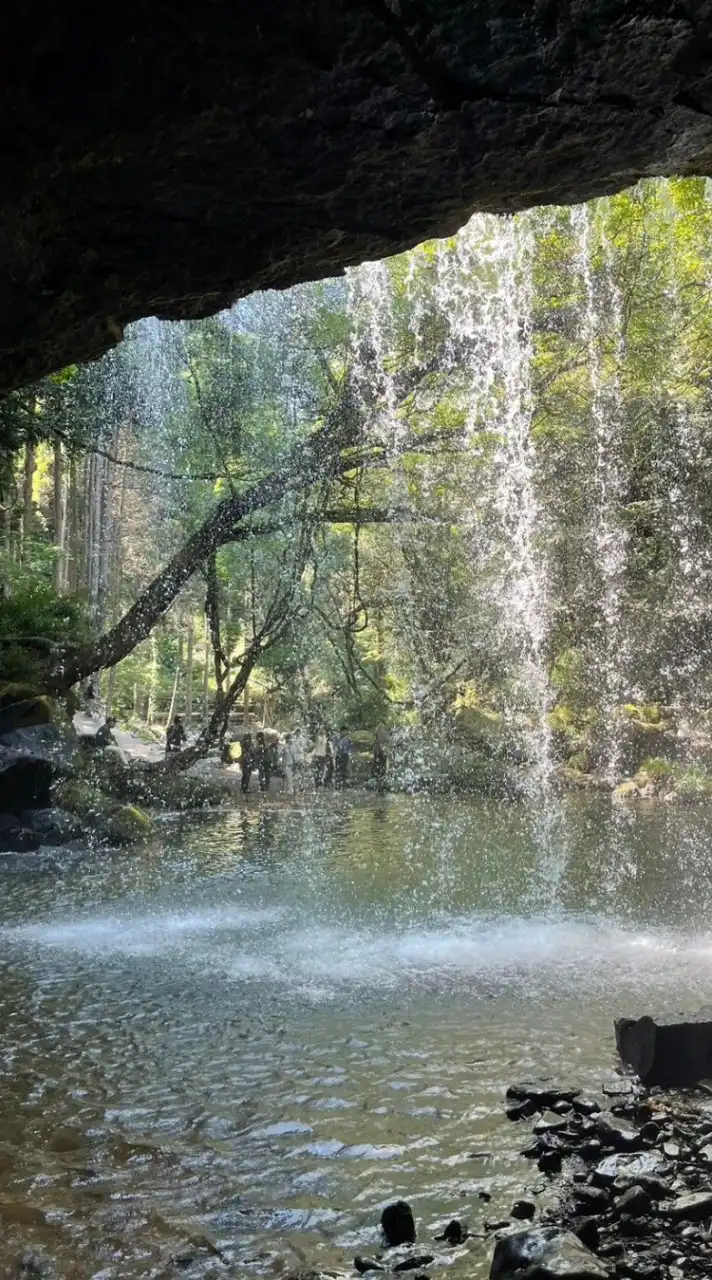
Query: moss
{"type": "Point", "coordinates": [627, 790]}
{"type": "Point", "coordinates": [79, 797]}
{"type": "Point", "coordinates": [127, 824]}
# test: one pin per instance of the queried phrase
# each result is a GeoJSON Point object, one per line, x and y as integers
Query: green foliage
{"type": "Point", "coordinates": [33, 620]}
{"type": "Point", "coordinates": [655, 770]}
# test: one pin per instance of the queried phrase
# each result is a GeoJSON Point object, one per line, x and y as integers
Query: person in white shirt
{"type": "Point", "coordinates": [320, 756]}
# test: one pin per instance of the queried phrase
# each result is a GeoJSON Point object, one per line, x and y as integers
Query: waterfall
{"type": "Point", "coordinates": [602, 336]}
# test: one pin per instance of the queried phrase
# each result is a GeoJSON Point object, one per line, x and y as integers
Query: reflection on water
{"type": "Point", "coordinates": [256, 1032]}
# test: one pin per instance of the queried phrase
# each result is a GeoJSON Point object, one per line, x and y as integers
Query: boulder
{"type": "Point", "coordinates": [25, 780]}
{"type": "Point", "coordinates": [125, 825]}
{"type": "Point", "coordinates": [52, 826]}
{"type": "Point", "coordinates": [544, 1253]}
{"type": "Point", "coordinates": [21, 706]}
{"type": "Point", "coordinates": [670, 1055]}
{"type": "Point", "coordinates": [398, 1224]}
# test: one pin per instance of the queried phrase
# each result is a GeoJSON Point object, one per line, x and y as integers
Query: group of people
{"type": "Point", "coordinates": [291, 757]}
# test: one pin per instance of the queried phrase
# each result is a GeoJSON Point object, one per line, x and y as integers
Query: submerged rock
{"type": "Point", "coordinates": [412, 1263]}
{"type": "Point", "coordinates": [544, 1253]}
{"type": "Point", "coordinates": [455, 1232]}
{"type": "Point", "coordinates": [364, 1265]}
{"type": "Point", "coordinates": [398, 1224]}
{"type": "Point", "coordinates": [523, 1209]}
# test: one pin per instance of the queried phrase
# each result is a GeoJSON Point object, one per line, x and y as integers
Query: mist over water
{"type": "Point", "coordinates": [271, 1022]}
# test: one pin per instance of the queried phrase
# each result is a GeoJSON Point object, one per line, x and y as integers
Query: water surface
{"type": "Point", "coordinates": [261, 1029]}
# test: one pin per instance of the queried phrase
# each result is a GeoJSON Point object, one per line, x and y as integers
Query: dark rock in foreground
{"type": "Point", "coordinates": [671, 1055]}
{"type": "Point", "coordinates": [398, 1224]}
{"type": "Point", "coordinates": [545, 1253]}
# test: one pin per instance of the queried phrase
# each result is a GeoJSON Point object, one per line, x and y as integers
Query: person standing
{"type": "Point", "coordinates": [246, 763]}
{"type": "Point", "coordinates": [343, 748]}
{"type": "Point", "coordinates": [262, 762]}
{"type": "Point", "coordinates": [320, 755]}
{"type": "Point", "coordinates": [299, 755]}
{"type": "Point", "coordinates": [175, 736]}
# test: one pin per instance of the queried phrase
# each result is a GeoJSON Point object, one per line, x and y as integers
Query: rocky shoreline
{"type": "Point", "coordinates": [633, 1175]}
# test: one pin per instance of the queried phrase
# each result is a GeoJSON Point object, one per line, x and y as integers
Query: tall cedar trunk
{"type": "Point", "coordinates": [28, 508]}
{"type": "Point", "coordinates": [189, 675]}
{"type": "Point", "coordinates": [72, 574]}
{"type": "Point", "coordinates": [60, 515]}
{"type": "Point", "coordinates": [206, 666]}
{"type": "Point", "coordinates": [153, 686]}
{"type": "Point", "coordinates": [174, 696]}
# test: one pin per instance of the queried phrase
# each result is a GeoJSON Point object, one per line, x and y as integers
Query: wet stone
{"type": "Point", "coordinates": [693, 1208]}
{"type": "Point", "coordinates": [412, 1264]}
{"type": "Point", "coordinates": [591, 1150]}
{"type": "Point", "coordinates": [398, 1223]}
{"type": "Point", "coordinates": [521, 1110]}
{"type": "Point", "coordinates": [364, 1265]}
{"type": "Point", "coordinates": [550, 1122]}
{"type": "Point", "coordinates": [617, 1132]}
{"type": "Point", "coordinates": [705, 1153]}
{"type": "Point", "coordinates": [550, 1162]}
{"type": "Point", "coordinates": [523, 1209]}
{"type": "Point", "coordinates": [671, 1150]}
{"type": "Point", "coordinates": [587, 1231]}
{"type": "Point", "coordinates": [627, 1170]}
{"type": "Point", "coordinates": [543, 1093]}
{"type": "Point", "coordinates": [635, 1202]}
{"type": "Point", "coordinates": [586, 1106]}
{"type": "Point", "coordinates": [455, 1232]}
{"type": "Point", "coordinates": [547, 1254]}
{"type": "Point", "coordinates": [592, 1199]}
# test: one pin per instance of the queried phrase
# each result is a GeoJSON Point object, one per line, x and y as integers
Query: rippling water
{"type": "Point", "coordinates": [252, 1035]}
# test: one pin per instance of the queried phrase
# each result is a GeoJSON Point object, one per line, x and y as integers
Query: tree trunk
{"type": "Point", "coordinates": [206, 666]}
{"type": "Point", "coordinates": [189, 675]}
{"type": "Point", "coordinates": [60, 516]}
{"type": "Point", "coordinates": [28, 507]}
{"type": "Point", "coordinates": [151, 708]}
{"type": "Point", "coordinates": [319, 460]}
{"type": "Point", "coordinates": [174, 696]}
{"type": "Point", "coordinates": [72, 572]}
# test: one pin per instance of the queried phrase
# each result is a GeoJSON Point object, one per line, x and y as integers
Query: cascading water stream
{"type": "Point", "coordinates": [602, 328]}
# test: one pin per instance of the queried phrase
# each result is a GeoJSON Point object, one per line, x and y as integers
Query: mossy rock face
{"type": "Point", "coordinates": [628, 790]}
{"type": "Point", "coordinates": [22, 707]}
{"type": "Point", "coordinates": [127, 824]}
{"type": "Point", "coordinates": [132, 782]}
{"type": "Point", "coordinates": [77, 796]}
